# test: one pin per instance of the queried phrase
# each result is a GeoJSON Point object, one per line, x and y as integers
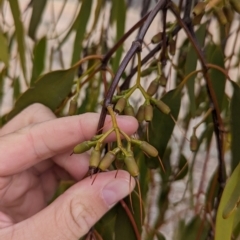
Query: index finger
{"type": "Point", "coordinates": [28, 146]}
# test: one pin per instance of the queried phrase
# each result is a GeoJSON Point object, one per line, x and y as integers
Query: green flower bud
{"type": "Point", "coordinates": [107, 161]}
{"type": "Point", "coordinates": [148, 113]}
{"type": "Point", "coordinates": [95, 159]}
{"type": "Point", "coordinates": [157, 38]}
{"type": "Point", "coordinates": [128, 110]}
{"type": "Point", "coordinates": [172, 47]}
{"type": "Point", "coordinates": [153, 87]}
{"type": "Point", "coordinates": [199, 8]}
{"type": "Point", "coordinates": [163, 80]}
{"type": "Point", "coordinates": [220, 15]}
{"type": "Point", "coordinates": [120, 105]}
{"type": "Point", "coordinates": [193, 142]}
{"type": "Point", "coordinates": [83, 147]}
{"type": "Point", "coordinates": [197, 19]}
{"type": "Point", "coordinates": [162, 106]}
{"type": "Point", "coordinates": [149, 149]}
{"type": "Point", "coordinates": [72, 107]}
{"type": "Point", "coordinates": [148, 71]}
{"type": "Point", "coordinates": [140, 114]}
{"type": "Point", "coordinates": [131, 165]}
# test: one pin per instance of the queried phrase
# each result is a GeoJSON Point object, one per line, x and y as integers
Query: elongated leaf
{"type": "Point", "coordinates": [217, 78]}
{"type": "Point", "coordinates": [160, 236]}
{"type": "Point", "coordinates": [123, 225]}
{"type": "Point", "coordinates": [162, 125]}
{"type": "Point", "coordinates": [105, 226]}
{"type": "Point", "coordinates": [182, 168]}
{"type": "Point", "coordinates": [19, 33]}
{"type": "Point", "coordinates": [144, 173]}
{"type": "Point", "coordinates": [224, 227]}
{"type": "Point", "coordinates": [119, 10]}
{"type": "Point", "coordinates": [191, 64]}
{"type": "Point", "coordinates": [16, 87]}
{"type": "Point", "coordinates": [235, 127]}
{"type": "Point", "coordinates": [51, 89]}
{"type": "Point", "coordinates": [38, 7]}
{"type": "Point", "coordinates": [1, 85]}
{"type": "Point", "coordinates": [4, 56]}
{"type": "Point", "coordinates": [100, 4]}
{"type": "Point", "coordinates": [82, 20]}
{"type": "Point", "coordinates": [197, 228]}
{"type": "Point", "coordinates": [38, 59]}
{"type": "Point", "coordinates": [236, 223]}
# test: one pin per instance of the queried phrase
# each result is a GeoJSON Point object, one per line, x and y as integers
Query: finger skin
{"type": "Point", "coordinates": [76, 211]}
{"type": "Point", "coordinates": [30, 145]}
{"type": "Point", "coordinates": [35, 113]}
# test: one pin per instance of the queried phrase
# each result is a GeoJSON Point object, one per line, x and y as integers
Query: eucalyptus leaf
{"type": "Point", "coordinates": [119, 11]}
{"type": "Point", "coordinates": [123, 226]}
{"type": "Point", "coordinates": [162, 124]}
{"type": "Point", "coordinates": [4, 56]}
{"type": "Point", "coordinates": [50, 89]}
{"type": "Point", "coordinates": [20, 35]}
{"type": "Point", "coordinates": [191, 65]}
{"type": "Point", "coordinates": [235, 127]}
{"type": "Point", "coordinates": [225, 218]}
{"type": "Point", "coordinates": [218, 79]}
{"type": "Point", "coordinates": [39, 52]}
{"type": "Point", "coordinates": [37, 11]}
{"type": "Point", "coordinates": [81, 26]}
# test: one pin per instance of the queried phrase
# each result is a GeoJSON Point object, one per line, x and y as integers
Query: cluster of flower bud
{"type": "Point", "coordinates": [224, 10]}
{"type": "Point", "coordinates": [103, 163]}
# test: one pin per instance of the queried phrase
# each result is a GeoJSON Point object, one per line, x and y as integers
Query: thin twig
{"type": "Point", "coordinates": [136, 47]}
{"type": "Point", "coordinates": [217, 120]}
{"type": "Point", "coordinates": [131, 218]}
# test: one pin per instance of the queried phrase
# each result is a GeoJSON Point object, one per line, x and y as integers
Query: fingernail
{"type": "Point", "coordinates": [115, 191]}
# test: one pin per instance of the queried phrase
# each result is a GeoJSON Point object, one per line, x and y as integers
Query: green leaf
{"type": "Point", "coordinates": [123, 225]}
{"type": "Point", "coordinates": [81, 21]}
{"type": "Point", "coordinates": [212, 191]}
{"type": "Point", "coordinates": [182, 168]}
{"type": "Point", "coordinates": [100, 4]}
{"type": "Point", "coordinates": [143, 173]}
{"type": "Point", "coordinates": [119, 11]}
{"type": "Point", "coordinates": [162, 125]}
{"type": "Point", "coordinates": [19, 33]}
{"type": "Point", "coordinates": [105, 226]}
{"type": "Point", "coordinates": [4, 56]}
{"type": "Point", "coordinates": [51, 89]}
{"type": "Point", "coordinates": [224, 227]}
{"type": "Point", "coordinates": [160, 236]}
{"type": "Point", "coordinates": [197, 228]}
{"type": "Point", "coordinates": [38, 7]}
{"type": "Point", "coordinates": [236, 223]}
{"type": "Point", "coordinates": [38, 59]}
{"type": "Point", "coordinates": [218, 79]}
{"type": "Point", "coordinates": [191, 65]}
{"type": "Point", "coordinates": [235, 127]}
{"type": "Point", "coordinates": [16, 87]}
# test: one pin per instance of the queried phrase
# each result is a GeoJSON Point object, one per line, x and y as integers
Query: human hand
{"type": "Point", "coordinates": [35, 152]}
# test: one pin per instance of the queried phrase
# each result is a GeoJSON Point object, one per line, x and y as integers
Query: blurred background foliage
{"type": "Point", "coordinates": [44, 49]}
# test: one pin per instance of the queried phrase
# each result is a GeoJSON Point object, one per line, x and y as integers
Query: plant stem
{"type": "Point", "coordinates": [136, 47]}
{"type": "Point", "coordinates": [217, 120]}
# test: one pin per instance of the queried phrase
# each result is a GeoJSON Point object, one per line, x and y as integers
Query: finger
{"type": "Point", "coordinates": [73, 214]}
{"type": "Point", "coordinates": [33, 114]}
{"type": "Point", "coordinates": [30, 145]}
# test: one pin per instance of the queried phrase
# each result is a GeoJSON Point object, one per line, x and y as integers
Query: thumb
{"type": "Point", "coordinates": [73, 214]}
